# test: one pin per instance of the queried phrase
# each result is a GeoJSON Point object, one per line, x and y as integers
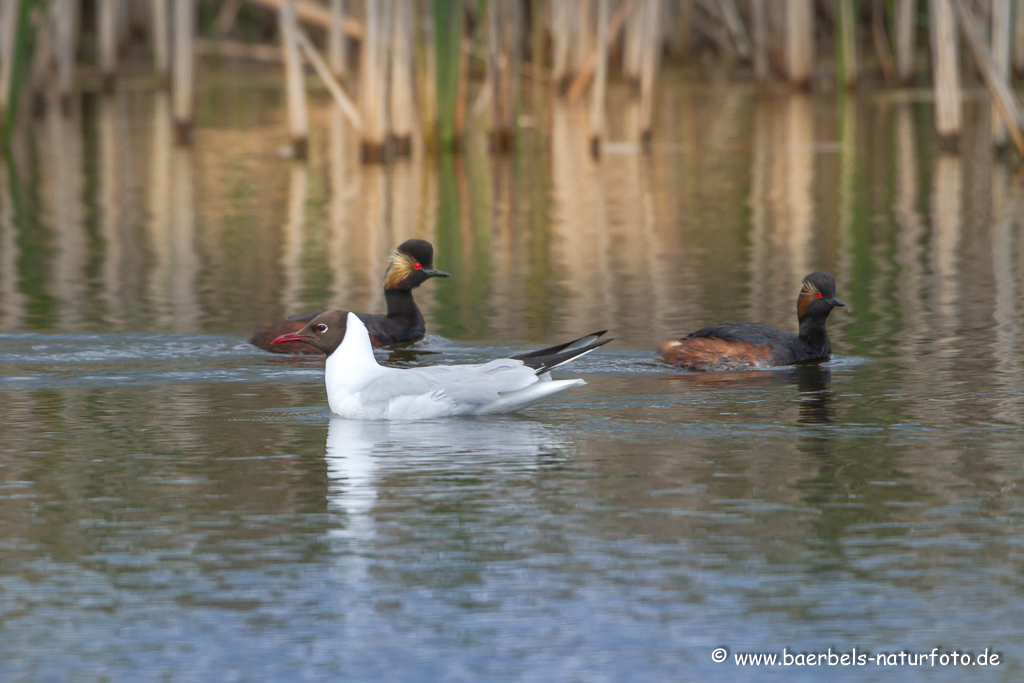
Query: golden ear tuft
{"type": "Point", "coordinates": [807, 295]}
{"type": "Point", "coordinates": [809, 287]}
{"type": "Point", "coordinates": [401, 267]}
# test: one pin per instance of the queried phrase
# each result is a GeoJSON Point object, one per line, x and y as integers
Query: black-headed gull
{"type": "Point", "coordinates": [359, 388]}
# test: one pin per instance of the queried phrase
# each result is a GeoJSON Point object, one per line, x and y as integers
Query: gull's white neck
{"type": "Point", "coordinates": [352, 366]}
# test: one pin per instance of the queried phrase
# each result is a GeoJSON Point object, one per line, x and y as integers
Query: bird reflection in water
{"type": "Point", "coordinates": [362, 454]}
{"type": "Point", "coordinates": [407, 356]}
{"type": "Point", "coordinates": [813, 382]}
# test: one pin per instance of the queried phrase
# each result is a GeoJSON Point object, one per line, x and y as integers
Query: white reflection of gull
{"type": "Point", "coordinates": [351, 489]}
{"type": "Point", "coordinates": [357, 451]}
{"type": "Point", "coordinates": [364, 457]}
{"type": "Point", "coordinates": [350, 466]}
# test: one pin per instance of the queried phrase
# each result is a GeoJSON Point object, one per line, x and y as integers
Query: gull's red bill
{"type": "Point", "coordinates": [291, 337]}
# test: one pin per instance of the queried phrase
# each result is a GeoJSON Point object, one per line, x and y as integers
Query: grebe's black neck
{"type": "Point", "coordinates": [401, 306]}
{"type": "Point", "coordinates": [813, 333]}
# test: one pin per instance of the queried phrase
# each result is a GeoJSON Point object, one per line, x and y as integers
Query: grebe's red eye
{"type": "Point", "coordinates": [819, 295]}
{"type": "Point", "coordinates": [417, 266]}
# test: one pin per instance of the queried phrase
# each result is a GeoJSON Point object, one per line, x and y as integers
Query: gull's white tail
{"type": "Point", "coordinates": [514, 401]}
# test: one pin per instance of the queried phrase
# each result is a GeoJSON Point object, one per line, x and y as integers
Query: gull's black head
{"type": "Point", "coordinates": [411, 265]}
{"type": "Point", "coordinates": [324, 332]}
{"type": "Point", "coordinates": [817, 296]}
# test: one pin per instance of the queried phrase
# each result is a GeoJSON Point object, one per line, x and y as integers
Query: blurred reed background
{"type": "Point", "coordinates": [420, 70]}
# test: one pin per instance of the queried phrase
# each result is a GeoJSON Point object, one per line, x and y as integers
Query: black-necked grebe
{"type": "Point", "coordinates": [738, 346]}
{"type": "Point", "coordinates": [411, 266]}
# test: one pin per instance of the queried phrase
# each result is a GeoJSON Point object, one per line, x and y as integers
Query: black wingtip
{"type": "Point", "coordinates": [561, 348]}
{"type": "Point", "coordinates": [542, 364]}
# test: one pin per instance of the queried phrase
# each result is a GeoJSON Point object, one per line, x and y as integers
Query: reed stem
{"type": "Point", "coordinates": [632, 44]}
{"type": "Point", "coordinates": [448, 22]}
{"type": "Point", "coordinates": [403, 114]}
{"type": "Point", "coordinates": [945, 72]}
{"type": "Point", "coordinates": [504, 25]}
{"type": "Point", "coordinates": [183, 71]}
{"type": "Point", "coordinates": [294, 80]}
{"type": "Point", "coordinates": [760, 31]}
{"type": "Point", "coordinates": [847, 43]}
{"type": "Point", "coordinates": [336, 40]}
{"type": "Point", "coordinates": [600, 78]}
{"type": "Point", "coordinates": [426, 73]}
{"type": "Point", "coordinates": [1018, 37]}
{"type": "Point", "coordinates": [1003, 98]}
{"type": "Point", "coordinates": [1001, 36]}
{"type": "Point", "coordinates": [107, 31]}
{"type": "Point", "coordinates": [161, 42]}
{"type": "Point", "coordinates": [906, 38]}
{"type": "Point", "coordinates": [799, 20]}
{"type": "Point", "coordinates": [16, 47]}
{"type": "Point", "coordinates": [649, 67]}
{"type": "Point", "coordinates": [66, 18]}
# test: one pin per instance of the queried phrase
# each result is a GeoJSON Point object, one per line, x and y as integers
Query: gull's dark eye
{"type": "Point", "coordinates": [321, 328]}
{"type": "Point", "coordinates": [819, 295]}
{"type": "Point", "coordinates": [417, 266]}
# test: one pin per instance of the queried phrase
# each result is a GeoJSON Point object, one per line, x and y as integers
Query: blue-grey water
{"type": "Point", "coordinates": [177, 506]}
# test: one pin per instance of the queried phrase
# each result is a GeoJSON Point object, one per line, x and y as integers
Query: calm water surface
{"type": "Point", "coordinates": [175, 505]}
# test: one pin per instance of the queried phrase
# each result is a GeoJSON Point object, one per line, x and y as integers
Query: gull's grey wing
{"type": "Point", "coordinates": [463, 384]}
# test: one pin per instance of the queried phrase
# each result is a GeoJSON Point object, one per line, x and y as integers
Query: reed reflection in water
{"type": "Point", "coordinates": [117, 229]}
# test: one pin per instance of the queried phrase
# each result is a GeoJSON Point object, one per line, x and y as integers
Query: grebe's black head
{"type": "Point", "coordinates": [411, 265]}
{"type": "Point", "coordinates": [324, 332]}
{"type": "Point", "coordinates": [817, 297]}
